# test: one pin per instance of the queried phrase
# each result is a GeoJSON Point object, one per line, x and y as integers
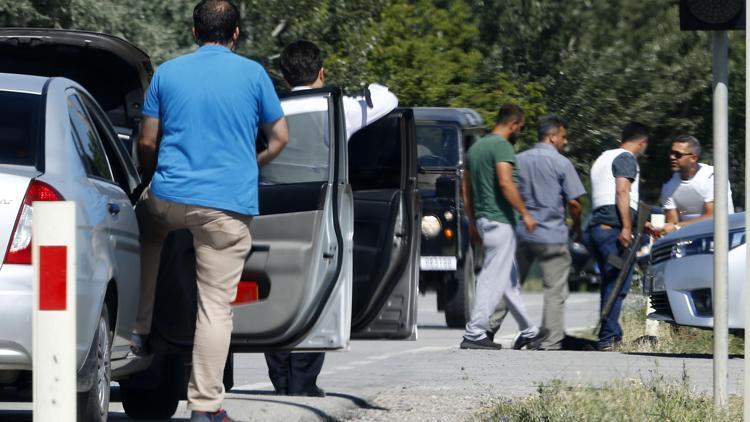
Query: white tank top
{"type": "Point", "coordinates": [603, 187]}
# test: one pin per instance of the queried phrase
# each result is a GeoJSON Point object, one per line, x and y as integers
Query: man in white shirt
{"type": "Point", "coordinates": [302, 67]}
{"type": "Point", "coordinates": [688, 196]}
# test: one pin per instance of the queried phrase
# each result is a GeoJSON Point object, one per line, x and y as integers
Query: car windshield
{"type": "Point", "coordinates": [437, 145]}
{"type": "Point", "coordinates": [19, 125]}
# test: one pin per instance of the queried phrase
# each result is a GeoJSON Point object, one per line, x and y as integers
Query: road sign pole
{"type": "Point", "coordinates": [746, 396]}
{"type": "Point", "coordinates": [721, 214]}
{"type": "Point", "coordinates": [54, 315]}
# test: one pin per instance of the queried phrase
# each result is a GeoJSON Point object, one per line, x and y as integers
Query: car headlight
{"type": "Point", "coordinates": [705, 245]}
{"type": "Point", "coordinates": [448, 215]}
{"type": "Point", "coordinates": [430, 226]}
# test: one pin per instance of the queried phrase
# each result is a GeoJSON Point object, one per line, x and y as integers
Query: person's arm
{"type": "Point", "coordinates": [360, 112]}
{"type": "Point", "coordinates": [148, 144]}
{"type": "Point", "coordinates": [509, 190]}
{"type": "Point", "coordinates": [622, 201]}
{"type": "Point", "coordinates": [277, 133]}
{"type": "Point", "coordinates": [673, 222]}
{"type": "Point", "coordinates": [469, 206]}
{"type": "Point", "coordinates": [575, 210]}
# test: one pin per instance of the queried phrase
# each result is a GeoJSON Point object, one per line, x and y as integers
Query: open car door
{"type": "Point", "coordinates": [296, 288]}
{"type": "Point", "coordinates": [387, 212]}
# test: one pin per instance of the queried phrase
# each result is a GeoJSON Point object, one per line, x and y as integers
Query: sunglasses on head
{"type": "Point", "coordinates": [678, 154]}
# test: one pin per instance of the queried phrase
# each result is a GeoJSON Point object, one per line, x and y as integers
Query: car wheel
{"type": "Point", "coordinates": [459, 293]}
{"type": "Point", "coordinates": [159, 401]}
{"type": "Point", "coordinates": [93, 405]}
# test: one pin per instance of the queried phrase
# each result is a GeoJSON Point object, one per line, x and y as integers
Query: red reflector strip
{"type": "Point", "coordinates": [53, 278]}
{"type": "Point", "coordinates": [247, 292]}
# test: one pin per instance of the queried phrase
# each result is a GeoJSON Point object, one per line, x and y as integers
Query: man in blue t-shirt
{"type": "Point", "coordinates": [201, 117]}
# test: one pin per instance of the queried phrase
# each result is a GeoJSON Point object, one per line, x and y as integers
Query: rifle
{"type": "Point", "coordinates": [624, 262]}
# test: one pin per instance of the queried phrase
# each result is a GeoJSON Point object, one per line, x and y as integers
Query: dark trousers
{"type": "Point", "coordinates": [603, 243]}
{"type": "Point", "coordinates": [294, 373]}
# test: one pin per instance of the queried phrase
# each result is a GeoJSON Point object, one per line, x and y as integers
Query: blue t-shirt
{"type": "Point", "coordinates": [210, 104]}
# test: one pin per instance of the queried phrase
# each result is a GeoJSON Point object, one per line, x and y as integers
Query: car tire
{"type": "Point", "coordinates": [157, 402]}
{"type": "Point", "coordinates": [93, 405]}
{"type": "Point", "coordinates": [459, 293]}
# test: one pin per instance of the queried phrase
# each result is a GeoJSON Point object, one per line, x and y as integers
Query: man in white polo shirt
{"type": "Point", "coordinates": [688, 196]}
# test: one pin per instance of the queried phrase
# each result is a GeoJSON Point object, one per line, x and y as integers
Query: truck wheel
{"type": "Point", "coordinates": [459, 293]}
{"type": "Point", "coordinates": [93, 405]}
{"type": "Point", "coordinates": [160, 401]}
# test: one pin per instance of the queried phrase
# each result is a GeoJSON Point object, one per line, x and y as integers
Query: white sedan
{"type": "Point", "coordinates": [680, 278]}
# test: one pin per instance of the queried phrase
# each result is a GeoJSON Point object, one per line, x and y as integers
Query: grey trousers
{"type": "Point", "coordinates": [554, 262]}
{"type": "Point", "coordinates": [494, 281]}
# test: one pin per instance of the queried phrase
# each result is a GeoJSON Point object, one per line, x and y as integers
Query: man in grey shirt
{"type": "Point", "coordinates": [548, 182]}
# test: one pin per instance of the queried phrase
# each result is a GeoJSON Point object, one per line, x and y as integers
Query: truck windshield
{"type": "Point", "coordinates": [19, 127]}
{"type": "Point", "coordinates": [437, 145]}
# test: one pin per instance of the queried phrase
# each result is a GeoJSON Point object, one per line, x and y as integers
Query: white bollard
{"type": "Point", "coordinates": [54, 319]}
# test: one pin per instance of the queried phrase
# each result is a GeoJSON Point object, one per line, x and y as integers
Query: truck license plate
{"type": "Point", "coordinates": [437, 263]}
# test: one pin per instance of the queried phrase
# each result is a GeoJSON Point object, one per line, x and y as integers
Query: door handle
{"type": "Point", "coordinates": [113, 208]}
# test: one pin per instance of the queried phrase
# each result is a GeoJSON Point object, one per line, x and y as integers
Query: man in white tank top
{"type": "Point", "coordinates": [688, 196]}
{"type": "Point", "coordinates": [614, 190]}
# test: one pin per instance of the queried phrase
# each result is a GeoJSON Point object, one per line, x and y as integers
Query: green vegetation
{"type": "Point", "coordinates": [671, 338]}
{"type": "Point", "coordinates": [629, 400]}
{"type": "Point", "coordinates": [597, 63]}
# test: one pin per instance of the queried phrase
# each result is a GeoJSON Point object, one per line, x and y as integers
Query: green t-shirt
{"type": "Point", "coordinates": [486, 196]}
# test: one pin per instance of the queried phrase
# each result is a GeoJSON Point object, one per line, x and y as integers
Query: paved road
{"type": "Point", "coordinates": [431, 379]}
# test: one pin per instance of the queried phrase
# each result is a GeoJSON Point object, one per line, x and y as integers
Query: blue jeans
{"type": "Point", "coordinates": [602, 242]}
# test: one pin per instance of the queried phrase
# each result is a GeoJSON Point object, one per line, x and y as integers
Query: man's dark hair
{"type": "Point", "coordinates": [634, 131]}
{"type": "Point", "coordinates": [215, 21]}
{"type": "Point", "coordinates": [509, 113]}
{"type": "Point", "coordinates": [692, 143]}
{"type": "Point", "coordinates": [550, 124]}
{"type": "Point", "coordinates": [301, 63]}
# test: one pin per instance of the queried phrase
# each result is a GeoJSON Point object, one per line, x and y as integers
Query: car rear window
{"type": "Point", "coordinates": [19, 127]}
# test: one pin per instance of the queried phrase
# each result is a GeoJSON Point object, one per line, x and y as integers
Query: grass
{"type": "Point", "coordinates": [624, 400]}
{"type": "Point", "coordinates": [670, 338]}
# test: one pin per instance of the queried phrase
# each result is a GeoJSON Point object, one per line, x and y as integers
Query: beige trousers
{"type": "Point", "coordinates": [222, 243]}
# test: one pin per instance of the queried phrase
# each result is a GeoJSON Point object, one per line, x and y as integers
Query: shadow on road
{"type": "Point", "coordinates": [680, 355]}
{"type": "Point", "coordinates": [577, 343]}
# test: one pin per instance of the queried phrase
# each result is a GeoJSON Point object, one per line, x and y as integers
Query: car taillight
{"type": "Point", "coordinates": [19, 249]}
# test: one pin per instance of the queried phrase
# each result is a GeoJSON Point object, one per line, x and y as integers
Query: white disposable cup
{"type": "Point", "coordinates": [657, 221]}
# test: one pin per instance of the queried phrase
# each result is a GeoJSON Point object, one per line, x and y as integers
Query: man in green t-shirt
{"type": "Point", "coordinates": [491, 199]}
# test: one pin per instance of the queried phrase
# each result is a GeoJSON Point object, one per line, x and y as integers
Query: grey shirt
{"type": "Point", "coordinates": [547, 180]}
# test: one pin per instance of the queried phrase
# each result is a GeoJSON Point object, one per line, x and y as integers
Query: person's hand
{"type": "Point", "coordinates": [576, 235]}
{"type": "Point", "coordinates": [653, 231]}
{"type": "Point", "coordinates": [626, 236]}
{"type": "Point", "coordinates": [529, 221]}
{"type": "Point", "coordinates": [669, 228]}
{"type": "Point", "coordinates": [474, 233]}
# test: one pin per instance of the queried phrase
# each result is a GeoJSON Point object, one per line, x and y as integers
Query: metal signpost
{"type": "Point", "coordinates": [719, 16]}
{"type": "Point", "coordinates": [721, 214]}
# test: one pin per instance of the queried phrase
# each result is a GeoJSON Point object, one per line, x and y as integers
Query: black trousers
{"type": "Point", "coordinates": [294, 373]}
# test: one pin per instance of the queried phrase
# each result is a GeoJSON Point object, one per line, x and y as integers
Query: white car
{"type": "Point", "coordinates": [680, 277]}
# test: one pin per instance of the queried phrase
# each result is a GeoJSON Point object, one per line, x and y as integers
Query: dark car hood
{"type": "Point", "coordinates": [114, 71]}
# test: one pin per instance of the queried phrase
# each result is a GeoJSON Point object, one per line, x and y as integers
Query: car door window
{"type": "Point", "coordinates": [306, 156]}
{"type": "Point", "coordinates": [87, 141]}
{"type": "Point", "coordinates": [122, 167]}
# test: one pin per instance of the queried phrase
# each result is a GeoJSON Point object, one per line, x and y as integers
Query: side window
{"type": "Point", "coordinates": [375, 155]}
{"type": "Point", "coordinates": [118, 159]}
{"type": "Point", "coordinates": [306, 156]}
{"type": "Point", "coordinates": [88, 142]}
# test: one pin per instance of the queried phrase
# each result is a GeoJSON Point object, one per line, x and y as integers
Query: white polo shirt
{"type": "Point", "coordinates": [689, 197]}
